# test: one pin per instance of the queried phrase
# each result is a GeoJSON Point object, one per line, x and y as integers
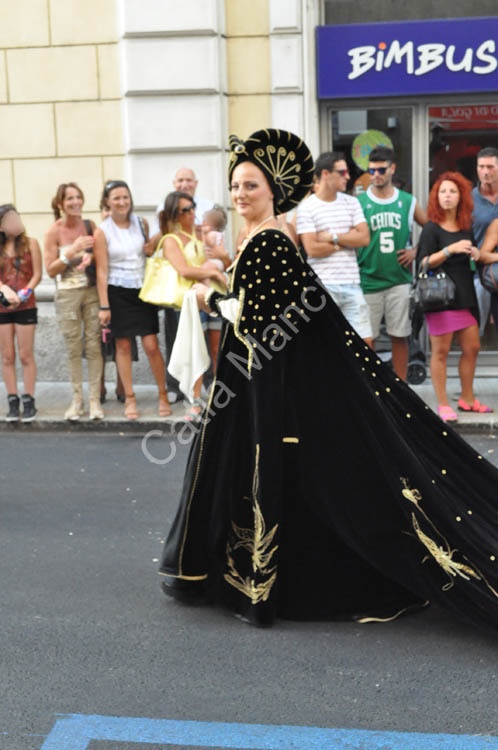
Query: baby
{"type": "Point", "coordinates": [214, 222]}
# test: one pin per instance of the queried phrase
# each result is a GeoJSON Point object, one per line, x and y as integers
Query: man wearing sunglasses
{"type": "Point", "coordinates": [331, 226]}
{"type": "Point", "coordinates": [385, 263]}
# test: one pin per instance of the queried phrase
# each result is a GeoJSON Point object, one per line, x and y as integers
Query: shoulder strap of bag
{"type": "Point", "coordinates": [88, 227]}
{"type": "Point", "coordinates": [141, 224]}
{"type": "Point", "coordinates": [175, 237]}
{"type": "Point", "coordinates": [424, 264]}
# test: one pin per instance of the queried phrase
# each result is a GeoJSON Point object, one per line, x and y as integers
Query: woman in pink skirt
{"type": "Point", "coordinates": [447, 243]}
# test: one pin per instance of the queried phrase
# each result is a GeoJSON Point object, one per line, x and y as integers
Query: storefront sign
{"type": "Point", "coordinates": [465, 117]}
{"type": "Point", "coordinates": [402, 59]}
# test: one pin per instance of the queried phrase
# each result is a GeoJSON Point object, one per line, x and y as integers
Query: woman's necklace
{"type": "Point", "coordinates": [244, 243]}
{"type": "Point", "coordinates": [253, 232]}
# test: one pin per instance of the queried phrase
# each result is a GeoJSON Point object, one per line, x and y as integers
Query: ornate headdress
{"type": "Point", "coordinates": [285, 160]}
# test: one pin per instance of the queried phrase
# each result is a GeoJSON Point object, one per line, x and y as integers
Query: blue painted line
{"type": "Point", "coordinates": [76, 731]}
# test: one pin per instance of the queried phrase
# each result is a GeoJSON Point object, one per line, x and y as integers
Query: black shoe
{"type": "Point", "coordinates": [120, 397]}
{"type": "Point", "coordinates": [187, 592]}
{"type": "Point", "coordinates": [28, 408]}
{"type": "Point", "coordinates": [13, 414]}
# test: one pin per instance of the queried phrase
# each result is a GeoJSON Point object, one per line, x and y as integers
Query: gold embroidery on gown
{"type": "Point", "coordinates": [257, 541]}
{"type": "Point", "coordinates": [443, 554]}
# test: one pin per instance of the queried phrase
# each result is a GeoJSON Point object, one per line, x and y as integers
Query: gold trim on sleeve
{"type": "Point", "coordinates": [290, 440]}
{"type": "Point", "coordinates": [237, 332]}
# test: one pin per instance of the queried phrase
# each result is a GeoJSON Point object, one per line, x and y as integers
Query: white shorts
{"type": "Point", "coordinates": [393, 304]}
{"type": "Point", "coordinates": [351, 301]}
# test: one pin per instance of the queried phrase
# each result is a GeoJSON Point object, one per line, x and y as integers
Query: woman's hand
{"type": "Point", "coordinates": [10, 295]}
{"type": "Point", "coordinates": [200, 292]}
{"type": "Point", "coordinates": [462, 246]}
{"type": "Point", "coordinates": [80, 246]}
{"type": "Point", "coordinates": [218, 276]}
{"type": "Point", "coordinates": [85, 261]}
{"type": "Point", "coordinates": [104, 318]}
{"type": "Point", "coordinates": [216, 251]}
{"type": "Point", "coordinates": [475, 253]}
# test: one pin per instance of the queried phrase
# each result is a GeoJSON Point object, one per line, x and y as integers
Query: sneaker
{"type": "Point", "coordinates": [28, 408]}
{"type": "Point", "coordinates": [13, 413]}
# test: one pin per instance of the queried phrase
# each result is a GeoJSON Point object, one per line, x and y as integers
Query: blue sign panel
{"type": "Point", "coordinates": [414, 57]}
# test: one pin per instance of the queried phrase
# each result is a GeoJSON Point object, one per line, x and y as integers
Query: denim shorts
{"type": "Point", "coordinates": [209, 323]}
{"type": "Point", "coordinates": [351, 301]}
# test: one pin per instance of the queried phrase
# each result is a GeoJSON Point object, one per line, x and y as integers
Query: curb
{"type": "Point", "coordinates": [169, 427]}
{"type": "Point", "coordinates": [109, 426]}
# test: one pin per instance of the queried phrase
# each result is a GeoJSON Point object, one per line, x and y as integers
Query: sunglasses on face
{"type": "Point", "coordinates": [342, 172]}
{"type": "Point", "coordinates": [187, 209]}
{"type": "Point", "coordinates": [112, 184]}
{"type": "Point", "coordinates": [380, 170]}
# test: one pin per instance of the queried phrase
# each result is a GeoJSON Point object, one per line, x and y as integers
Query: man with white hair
{"type": "Point", "coordinates": [185, 181]}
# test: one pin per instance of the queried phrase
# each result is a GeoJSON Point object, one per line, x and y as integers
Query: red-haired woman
{"type": "Point", "coordinates": [20, 272]}
{"type": "Point", "coordinates": [447, 242]}
{"type": "Point", "coordinates": [68, 254]}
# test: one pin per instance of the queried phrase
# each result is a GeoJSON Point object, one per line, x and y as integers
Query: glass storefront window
{"type": "Point", "coordinates": [457, 134]}
{"type": "Point", "coordinates": [356, 131]}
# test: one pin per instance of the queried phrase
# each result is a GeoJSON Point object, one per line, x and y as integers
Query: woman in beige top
{"type": "Point", "coordinates": [68, 256]}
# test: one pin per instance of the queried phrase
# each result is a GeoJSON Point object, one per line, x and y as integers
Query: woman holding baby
{"type": "Point", "coordinates": [187, 255]}
{"type": "Point", "coordinates": [68, 255]}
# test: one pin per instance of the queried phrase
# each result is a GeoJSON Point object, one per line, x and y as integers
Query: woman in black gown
{"type": "Point", "coordinates": [373, 507]}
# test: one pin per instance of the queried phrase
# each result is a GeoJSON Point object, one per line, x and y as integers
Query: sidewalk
{"type": "Point", "coordinates": [52, 399]}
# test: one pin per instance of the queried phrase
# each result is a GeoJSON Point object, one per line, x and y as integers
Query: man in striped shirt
{"type": "Point", "coordinates": [331, 226]}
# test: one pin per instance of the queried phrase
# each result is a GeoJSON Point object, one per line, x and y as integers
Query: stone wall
{"type": "Point", "coordinates": [135, 89]}
{"type": "Point", "coordinates": [60, 103]}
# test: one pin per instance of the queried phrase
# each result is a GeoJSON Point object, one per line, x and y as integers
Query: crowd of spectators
{"type": "Point", "coordinates": [361, 247]}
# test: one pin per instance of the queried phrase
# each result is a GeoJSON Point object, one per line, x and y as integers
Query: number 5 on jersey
{"type": "Point", "coordinates": [387, 242]}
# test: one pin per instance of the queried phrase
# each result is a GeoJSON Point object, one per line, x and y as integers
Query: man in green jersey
{"type": "Point", "coordinates": [385, 262]}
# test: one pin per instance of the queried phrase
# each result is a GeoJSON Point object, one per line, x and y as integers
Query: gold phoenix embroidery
{"type": "Point", "coordinates": [257, 542]}
{"type": "Point", "coordinates": [442, 553]}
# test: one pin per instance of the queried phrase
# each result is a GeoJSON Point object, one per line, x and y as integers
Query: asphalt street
{"type": "Point", "coordinates": [85, 628]}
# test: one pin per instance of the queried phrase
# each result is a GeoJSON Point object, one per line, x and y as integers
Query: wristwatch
{"type": "Point", "coordinates": [335, 238]}
{"type": "Point", "coordinates": [65, 260]}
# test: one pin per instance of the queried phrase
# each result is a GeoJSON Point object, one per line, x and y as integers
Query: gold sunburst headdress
{"type": "Point", "coordinates": [285, 160]}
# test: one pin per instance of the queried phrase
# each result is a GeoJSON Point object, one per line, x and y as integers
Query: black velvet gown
{"type": "Point", "coordinates": [319, 486]}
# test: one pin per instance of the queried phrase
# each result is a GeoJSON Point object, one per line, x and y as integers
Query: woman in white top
{"type": "Point", "coordinates": [68, 255]}
{"type": "Point", "coordinates": [120, 248]}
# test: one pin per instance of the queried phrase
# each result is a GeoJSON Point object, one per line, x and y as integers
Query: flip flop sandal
{"type": "Point", "coordinates": [476, 406]}
{"type": "Point", "coordinates": [447, 414]}
{"type": "Point", "coordinates": [193, 415]}
{"type": "Point", "coordinates": [130, 411]}
{"type": "Point", "coordinates": [164, 406]}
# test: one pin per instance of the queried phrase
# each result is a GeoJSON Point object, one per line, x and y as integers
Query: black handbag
{"type": "Point", "coordinates": [488, 274]}
{"type": "Point", "coordinates": [432, 290]}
